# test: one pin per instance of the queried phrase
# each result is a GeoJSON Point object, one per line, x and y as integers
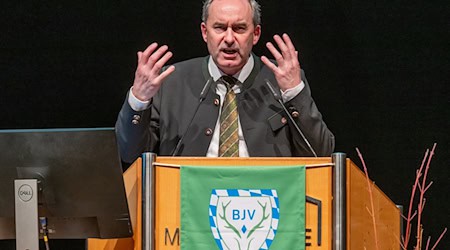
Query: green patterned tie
{"type": "Point", "coordinates": [229, 138]}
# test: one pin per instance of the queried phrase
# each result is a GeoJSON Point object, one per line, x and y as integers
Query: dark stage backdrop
{"type": "Point", "coordinates": [379, 72]}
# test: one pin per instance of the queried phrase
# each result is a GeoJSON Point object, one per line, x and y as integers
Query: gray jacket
{"type": "Point", "coordinates": [263, 121]}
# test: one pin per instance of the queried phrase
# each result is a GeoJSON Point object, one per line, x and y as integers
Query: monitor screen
{"type": "Point", "coordinates": [80, 183]}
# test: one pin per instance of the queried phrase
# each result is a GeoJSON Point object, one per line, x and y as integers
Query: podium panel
{"type": "Point", "coordinates": [165, 205]}
{"type": "Point", "coordinates": [167, 196]}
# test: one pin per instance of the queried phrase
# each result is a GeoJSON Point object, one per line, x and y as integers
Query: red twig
{"type": "Point", "coordinates": [411, 200]}
{"type": "Point", "coordinates": [421, 185]}
{"type": "Point", "coordinates": [400, 240]}
{"type": "Point", "coordinates": [421, 204]}
{"type": "Point", "coordinates": [428, 242]}
{"type": "Point", "coordinates": [439, 239]}
{"type": "Point", "coordinates": [429, 185]}
{"type": "Point", "coordinates": [369, 186]}
{"type": "Point", "coordinates": [419, 239]}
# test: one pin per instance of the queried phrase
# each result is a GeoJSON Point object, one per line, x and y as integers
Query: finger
{"type": "Point", "coordinates": [157, 55]}
{"type": "Point", "coordinates": [298, 59]}
{"type": "Point", "coordinates": [292, 51]}
{"type": "Point", "coordinates": [147, 52]}
{"type": "Point", "coordinates": [161, 62]}
{"type": "Point", "coordinates": [283, 47]}
{"type": "Point", "coordinates": [269, 64]}
{"type": "Point", "coordinates": [165, 73]}
{"type": "Point", "coordinates": [139, 56]}
{"type": "Point", "coordinates": [139, 68]}
{"type": "Point", "coordinates": [276, 54]}
{"type": "Point", "coordinates": [289, 44]}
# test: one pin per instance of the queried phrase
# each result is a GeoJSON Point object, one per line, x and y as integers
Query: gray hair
{"type": "Point", "coordinates": [256, 9]}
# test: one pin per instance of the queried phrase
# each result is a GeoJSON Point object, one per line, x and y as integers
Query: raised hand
{"type": "Point", "coordinates": [148, 77]}
{"type": "Point", "coordinates": [287, 72]}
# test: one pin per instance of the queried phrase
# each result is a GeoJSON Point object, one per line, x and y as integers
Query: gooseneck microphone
{"type": "Point", "coordinates": [279, 99]}
{"type": "Point", "coordinates": [201, 98]}
{"type": "Point", "coordinates": [205, 91]}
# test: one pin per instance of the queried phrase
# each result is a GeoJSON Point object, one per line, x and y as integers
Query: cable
{"type": "Point", "coordinates": [43, 222]}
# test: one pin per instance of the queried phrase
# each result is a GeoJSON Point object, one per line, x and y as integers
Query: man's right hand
{"type": "Point", "coordinates": [148, 77]}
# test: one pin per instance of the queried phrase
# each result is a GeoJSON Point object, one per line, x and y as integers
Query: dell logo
{"type": "Point", "coordinates": [25, 192]}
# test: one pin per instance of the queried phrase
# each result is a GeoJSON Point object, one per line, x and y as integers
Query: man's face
{"type": "Point", "coordinates": [230, 34]}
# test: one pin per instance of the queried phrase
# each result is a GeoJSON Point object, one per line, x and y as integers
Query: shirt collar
{"type": "Point", "coordinates": [242, 75]}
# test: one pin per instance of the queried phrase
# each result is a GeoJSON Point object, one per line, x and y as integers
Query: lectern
{"type": "Point", "coordinates": [337, 215]}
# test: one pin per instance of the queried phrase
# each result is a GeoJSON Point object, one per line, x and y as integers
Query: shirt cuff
{"type": "Point", "coordinates": [136, 104]}
{"type": "Point", "coordinates": [289, 94]}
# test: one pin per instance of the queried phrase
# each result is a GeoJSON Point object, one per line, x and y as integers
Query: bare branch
{"type": "Point", "coordinates": [428, 243]}
{"type": "Point", "coordinates": [420, 187]}
{"type": "Point", "coordinates": [414, 215]}
{"type": "Point", "coordinates": [439, 239]}
{"type": "Point", "coordinates": [411, 200]}
{"type": "Point", "coordinates": [429, 185]}
{"type": "Point", "coordinates": [369, 186]}
{"type": "Point", "coordinates": [423, 204]}
{"type": "Point", "coordinates": [368, 211]}
{"type": "Point", "coordinates": [422, 199]}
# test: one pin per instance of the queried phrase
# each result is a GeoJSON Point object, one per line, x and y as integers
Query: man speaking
{"type": "Point", "coordinates": [227, 104]}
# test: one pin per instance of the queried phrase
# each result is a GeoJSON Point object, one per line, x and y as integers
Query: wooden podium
{"type": "Point", "coordinates": [337, 208]}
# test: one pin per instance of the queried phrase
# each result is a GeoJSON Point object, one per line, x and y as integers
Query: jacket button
{"type": "Point", "coordinates": [208, 132]}
{"type": "Point", "coordinates": [216, 102]}
{"type": "Point", "coordinates": [136, 119]}
{"type": "Point", "coordinates": [283, 120]}
{"type": "Point", "coordinates": [295, 114]}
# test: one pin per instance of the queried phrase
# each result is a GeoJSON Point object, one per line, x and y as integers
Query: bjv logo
{"type": "Point", "coordinates": [238, 216]}
{"type": "Point", "coordinates": [244, 218]}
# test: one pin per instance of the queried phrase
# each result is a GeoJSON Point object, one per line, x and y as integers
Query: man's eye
{"type": "Point", "coordinates": [219, 28]}
{"type": "Point", "coordinates": [240, 29]}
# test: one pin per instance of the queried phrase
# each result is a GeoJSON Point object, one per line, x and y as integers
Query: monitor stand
{"type": "Point", "coordinates": [26, 213]}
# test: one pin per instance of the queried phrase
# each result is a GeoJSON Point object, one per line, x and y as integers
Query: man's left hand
{"type": "Point", "coordinates": [287, 72]}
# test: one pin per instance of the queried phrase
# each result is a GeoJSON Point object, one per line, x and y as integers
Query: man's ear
{"type": "Point", "coordinates": [204, 34]}
{"type": "Point", "coordinates": [256, 34]}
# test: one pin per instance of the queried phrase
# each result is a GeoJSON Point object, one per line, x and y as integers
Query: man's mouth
{"type": "Point", "coordinates": [229, 51]}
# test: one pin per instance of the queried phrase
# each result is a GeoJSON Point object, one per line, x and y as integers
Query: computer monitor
{"type": "Point", "coordinates": [79, 173]}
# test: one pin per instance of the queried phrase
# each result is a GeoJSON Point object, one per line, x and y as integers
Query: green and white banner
{"type": "Point", "coordinates": [242, 208]}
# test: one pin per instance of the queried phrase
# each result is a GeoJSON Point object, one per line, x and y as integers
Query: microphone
{"type": "Point", "coordinates": [201, 98]}
{"type": "Point", "coordinates": [278, 98]}
{"type": "Point", "coordinates": [205, 90]}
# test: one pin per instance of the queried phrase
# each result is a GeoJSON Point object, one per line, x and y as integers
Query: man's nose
{"type": "Point", "coordinates": [229, 36]}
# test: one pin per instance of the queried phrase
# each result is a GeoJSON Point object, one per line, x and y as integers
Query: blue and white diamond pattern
{"type": "Point", "coordinates": [270, 193]}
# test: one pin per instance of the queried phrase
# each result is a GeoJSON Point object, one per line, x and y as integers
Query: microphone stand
{"type": "Point", "coordinates": [202, 97]}
{"type": "Point", "coordinates": [279, 99]}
